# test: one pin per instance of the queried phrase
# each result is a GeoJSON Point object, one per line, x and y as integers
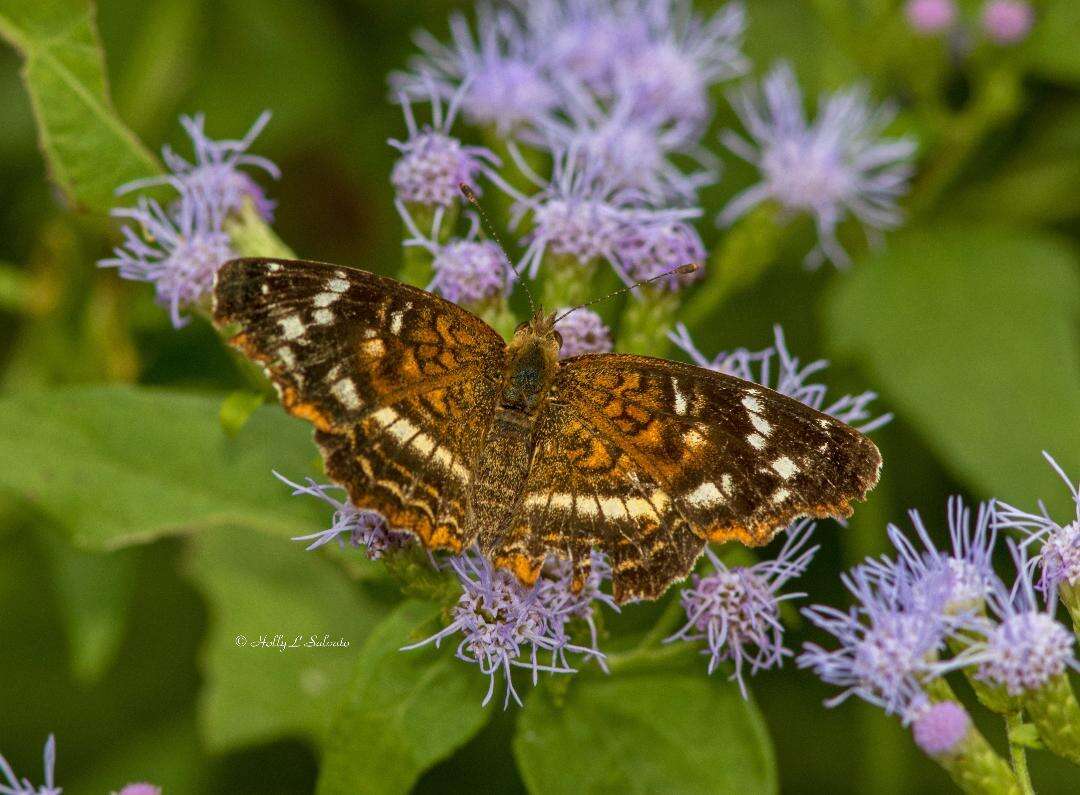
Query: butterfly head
{"type": "Point", "coordinates": [540, 330]}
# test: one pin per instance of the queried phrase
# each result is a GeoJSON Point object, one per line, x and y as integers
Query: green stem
{"type": "Point", "coordinates": [251, 236]}
{"type": "Point", "coordinates": [1013, 722]}
{"type": "Point", "coordinates": [646, 321]}
{"type": "Point", "coordinates": [1056, 714]}
{"type": "Point", "coordinates": [566, 281]}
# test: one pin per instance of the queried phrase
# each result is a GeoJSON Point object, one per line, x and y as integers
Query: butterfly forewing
{"type": "Point", "coordinates": [649, 459]}
{"type": "Point", "coordinates": [400, 384]}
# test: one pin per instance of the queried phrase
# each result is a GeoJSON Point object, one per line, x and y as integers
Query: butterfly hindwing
{"type": "Point", "coordinates": [648, 459]}
{"type": "Point", "coordinates": [400, 384]}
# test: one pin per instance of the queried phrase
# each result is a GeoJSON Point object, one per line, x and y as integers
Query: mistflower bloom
{"type": "Point", "coordinates": [930, 16]}
{"type": "Point", "coordinates": [1007, 21]}
{"type": "Point", "coordinates": [953, 583]}
{"type": "Point", "coordinates": [22, 786]}
{"type": "Point", "coordinates": [468, 271]}
{"type": "Point", "coordinates": [790, 378]}
{"type": "Point", "coordinates": [650, 249]}
{"type": "Point", "coordinates": [360, 528]}
{"type": "Point", "coordinates": [502, 64]}
{"type": "Point", "coordinates": [633, 150]}
{"type": "Point", "coordinates": [736, 610]}
{"type": "Point", "coordinates": [215, 177]}
{"type": "Point", "coordinates": [505, 624]}
{"type": "Point", "coordinates": [888, 648]}
{"type": "Point", "coordinates": [1028, 648]}
{"type": "Point", "coordinates": [557, 593]}
{"type": "Point", "coordinates": [580, 212]}
{"type": "Point", "coordinates": [140, 788]}
{"type": "Point", "coordinates": [433, 164]}
{"type": "Point", "coordinates": [684, 56]}
{"type": "Point", "coordinates": [835, 167]}
{"type": "Point", "coordinates": [179, 251]}
{"type": "Point", "coordinates": [1058, 557]}
{"type": "Point", "coordinates": [941, 727]}
{"type": "Point", "coordinates": [583, 331]}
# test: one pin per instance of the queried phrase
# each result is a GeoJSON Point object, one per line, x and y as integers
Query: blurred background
{"type": "Point", "coordinates": [966, 324]}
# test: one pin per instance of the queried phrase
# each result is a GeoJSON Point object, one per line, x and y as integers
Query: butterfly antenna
{"type": "Point", "coordinates": [682, 269]}
{"type": "Point", "coordinates": [490, 229]}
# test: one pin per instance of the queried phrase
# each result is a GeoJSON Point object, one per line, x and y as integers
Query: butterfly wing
{"type": "Point", "coordinates": [400, 384]}
{"type": "Point", "coordinates": [649, 459]}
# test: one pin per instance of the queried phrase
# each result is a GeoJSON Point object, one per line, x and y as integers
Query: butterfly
{"type": "Point", "coordinates": [425, 414]}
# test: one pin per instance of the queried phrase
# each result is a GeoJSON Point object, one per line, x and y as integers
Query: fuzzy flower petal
{"type": "Point", "coordinates": [583, 331]}
{"type": "Point", "coordinates": [179, 252]}
{"type": "Point", "coordinates": [835, 167]}
{"type": "Point", "coordinates": [736, 610]}
{"type": "Point", "coordinates": [360, 527]}
{"type": "Point", "coordinates": [10, 785]}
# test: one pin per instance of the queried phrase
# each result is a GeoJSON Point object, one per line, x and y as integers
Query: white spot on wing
{"type": "Point", "coordinates": [680, 398]}
{"type": "Point", "coordinates": [292, 327]}
{"type": "Point", "coordinates": [337, 285]}
{"type": "Point", "coordinates": [586, 505]}
{"type": "Point", "coordinates": [345, 391]}
{"type": "Point", "coordinates": [751, 404]}
{"type": "Point", "coordinates": [780, 495]}
{"type": "Point", "coordinates": [384, 416]}
{"type": "Point", "coordinates": [264, 289]}
{"type": "Point", "coordinates": [323, 316]}
{"type": "Point", "coordinates": [273, 267]}
{"type": "Point", "coordinates": [756, 441]}
{"type": "Point", "coordinates": [396, 321]}
{"type": "Point", "coordinates": [727, 484]}
{"type": "Point", "coordinates": [785, 467]}
{"type": "Point", "coordinates": [374, 347]}
{"type": "Point", "coordinates": [325, 299]}
{"type": "Point", "coordinates": [705, 496]}
{"type": "Point", "coordinates": [286, 355]}
{"type": "Point", "coordinates": [760, 424]}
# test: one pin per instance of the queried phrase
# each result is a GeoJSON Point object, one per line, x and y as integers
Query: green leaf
{"type": "Point", "coordinates": [94, 591]}
{"type": "Point", "coordinates": [403, 711]}
{"type": "Point", "coordinates": [1052, 49]}
{"type": "Point", "coordinates": [664, 730]}
{"type": "Point", "coordinates": [88, 149]}
{"type": "Point", "coordinates": [258, 587]}
{"type": "Point", "coordinates": [971, 336]}
{"type": "Point", "coordinates": [237, 409]}
{"type": "Point", "coordinates": [124, 465]}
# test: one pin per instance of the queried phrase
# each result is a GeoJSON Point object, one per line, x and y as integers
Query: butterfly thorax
{"type": "Point", "coordinates": [531, 362]}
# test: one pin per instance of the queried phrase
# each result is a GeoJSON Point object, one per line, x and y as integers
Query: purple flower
{"type": "Point", "coordinates": [215, 177]}
{"type": "Point", "coordinates": [17, 786]}
{"type": "Point", "coordinates": [564, 604]}
{"type": "Point", "coordinates": [1058, 558]}
{"type": "Point", "coordinates": [504, 624]}
{"type": "Point", "coordinates": [468, 271]}
{"type": "Point", "coordinates": [888, 647]}
{"type": "Point", "coordinates": [1027, 648]}
{"type": "Point", "coordinates": [179, 251]}
{"type": "Point", "coordinates": [634, 150]}
{"type": "Point", "coordinates": [829, 169]}
{"type": "Point", "coordinates": [502, 65]}
{"type": "Point", "coordinates": [941, 727]}
{"type": "Point", "coordinates": [951, 584]}
{"type": "Point", "coordinates": [683, 57]}
{"type": "Point", "coordinates": [140, 788]}
{"type": "Point", "coordinates": [930, 16]}
{"type": "Point", "coordinates": [650, 249]}
{"type": "Point", "coordinates": [433, 165]}
{"type": "Point", "coordinates": [790, 379]}
{"type": "Point", "coordinates": [736, 610]}
{"type": "Point", "coordinates": [1007, 21]}
{"type": "Point", "coordinates": [580, 212]}
{"type": "Point", "coordinates": [362, 527]}
{"type": "Point", "coordinates": [583, 331]}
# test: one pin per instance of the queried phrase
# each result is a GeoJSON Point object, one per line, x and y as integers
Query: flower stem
{"type": "Point", "coordinates": [1013, 723]}
{"type": "Point", "coordinates": [1056, 714]}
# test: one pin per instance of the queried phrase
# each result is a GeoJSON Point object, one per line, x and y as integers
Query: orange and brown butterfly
{"type": "Point", "coordinates": [425, 414]}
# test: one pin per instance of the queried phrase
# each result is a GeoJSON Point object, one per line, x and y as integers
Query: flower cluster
{"type": "Point", "coordinates": [1003, 22]}
{"type": "Point", "coordinates": [504, 624]}
{"type": "Point", "coordinates": [789, 378]}
{"type": "Point", "coordinates": [180, 246]}
{"type": "Point", "coordinates": [349, 524]}
{"type": "Point", "coordinates": [835, 167]}
{"type": "Point", "coordinates": [736, 610]}
{"type": "Point", "coordinates": [930, 611]}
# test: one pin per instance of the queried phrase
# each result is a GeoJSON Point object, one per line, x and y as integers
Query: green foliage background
{"type": "Point", "coordinates": [137, 538]}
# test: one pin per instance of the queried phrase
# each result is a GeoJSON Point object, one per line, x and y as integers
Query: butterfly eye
{"type": "Point", "coordinates": [521, 327]}
{"type": "Point", "coordinates": [558, 337]}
